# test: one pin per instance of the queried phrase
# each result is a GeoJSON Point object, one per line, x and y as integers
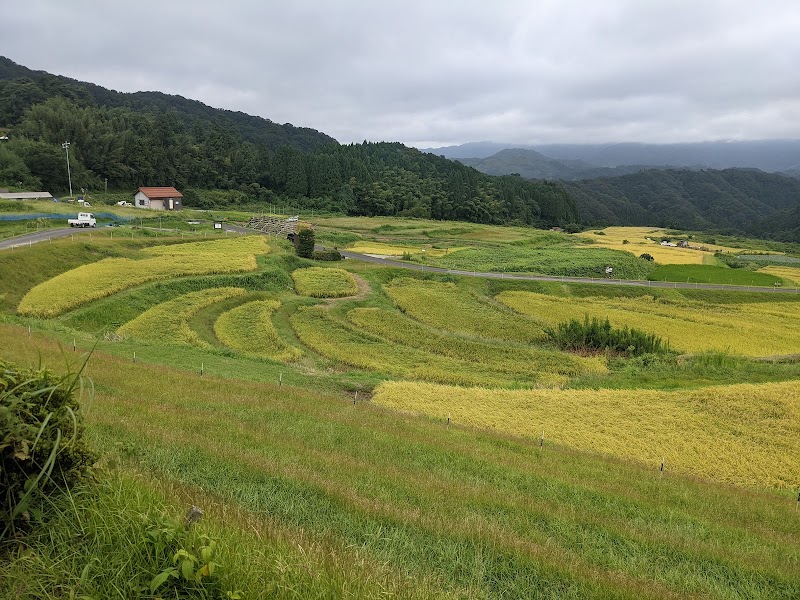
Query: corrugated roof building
{"type": "Point", "coordinates": [25, 196]}
{"type": "Point", "coordinates": [158, 198]}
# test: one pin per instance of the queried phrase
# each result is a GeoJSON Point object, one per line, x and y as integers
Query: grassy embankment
{"type": "Point", "coordinates": [461, 511]}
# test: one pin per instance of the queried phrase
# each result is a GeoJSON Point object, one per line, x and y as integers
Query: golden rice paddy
{"type": "Point", "coordinates": [321, 282]}
{"type": "Point", "coordinates": [248, 328]}
{"type": "Point", "coordinates": [109, 276]}
{"type": "Point", "coordinates": [446, 307]}
{"type": "Point", "coordinates": [349, 346]}
{"type": "Point", "coordinates": [380, 249]}
{"type": "Point", "coordinates": [743, 434]}
{"type": "Point", "coordinates": [790, 274]}
{"type": "Point", "coordinates": [505, 358]}
{"type": "Point", "coordinates": [170, 320]}
{"type": "Point", "coordinates": [648, 240]}
{"type": "Point", "coordinates": [757, 329]}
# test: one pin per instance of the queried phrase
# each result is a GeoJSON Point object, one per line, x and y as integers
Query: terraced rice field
{"type": "Point", "coordinates": [168, 321]}
{"type": "Point", "coordinates": [320, 282]}
{"type": "Point", "coordinates": [790, 274]}
{"type": "Point", "coordinates": [106, 277]}
{"type": "Point", "coordinates": [757, 329]}
{"type": "Point", "coordinates": [648, 239]}
{"type": "Point", "coordinates": [529, 257]}
{"type": "Point", "coordinates": [449, 308]}
{"type": "Point", "coordinates": [504, 358]}
{"type": "Point", "coordinates": [712, 274]}
{"type": "Point", "coordinates": [345, 345]}
{"type": "Point", "coordinates": [380, 249]}
{"type": "Point", "coordinates": [248, 328]}
{"type": "Point", "coordinates": [742, 434]}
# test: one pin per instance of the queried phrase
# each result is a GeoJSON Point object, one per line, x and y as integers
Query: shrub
{"type": "Point", "coordinates": [305, 243]}
{"type": "Point", "coordinates": [647, 256]}
{"type": "Point", "coordinates": [575, 335]}
{"type": "Point", "coordinates": [42, 451]}
{"type": "Point", "coordinates": [329, 255]}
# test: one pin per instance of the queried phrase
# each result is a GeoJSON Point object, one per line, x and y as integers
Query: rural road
{"type": "Point", "coordinates": [41, 236]}
{"type": "Point", "coordinates": [388, 262]}
{"type": "Point", "coordinates": [33, 238]}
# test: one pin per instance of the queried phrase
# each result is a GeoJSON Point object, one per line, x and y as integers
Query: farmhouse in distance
{"type": "Point", "coordinates": [158, 198]}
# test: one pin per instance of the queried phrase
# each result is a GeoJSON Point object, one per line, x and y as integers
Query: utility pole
{"type": "Point", "coordinates": [65, 146]}
{"type": "Point", "coordinates": [106, 185]}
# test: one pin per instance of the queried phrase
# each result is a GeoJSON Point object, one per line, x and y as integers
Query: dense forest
{"type": "Point", "coordinates": [730, 201]}
{"type": "Point", "coordinates": [149, 138]}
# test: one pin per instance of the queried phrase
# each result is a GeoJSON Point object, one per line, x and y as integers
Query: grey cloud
{"type": "Point", "coordinates": [444, 72]}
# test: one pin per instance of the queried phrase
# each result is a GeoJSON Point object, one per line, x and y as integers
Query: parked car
{"type": "Point", "coordinates": [84, 220]}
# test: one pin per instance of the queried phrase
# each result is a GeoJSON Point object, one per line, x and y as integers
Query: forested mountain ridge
{"type": "Point", "coordinates": [150, 138]}
{"type": "Point", "coordinates": [731, 200]}
{"type": "Point", "coordinates": [21, 88]}
{"type": "Point", "coordinates": [535, 165]}
{"type": "Point", "coordinates": [768, 155]}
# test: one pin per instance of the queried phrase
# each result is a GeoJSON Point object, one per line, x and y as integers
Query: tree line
{"type": "Point", "coordinates": [129, 140]}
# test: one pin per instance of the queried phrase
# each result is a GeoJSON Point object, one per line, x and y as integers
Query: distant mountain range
{"type": "Point", "coordinates": [767, 155]}
{"type": "Point", "coordinates": [534, 165]}
{"type": "Point", "coordinates": [150, 138]}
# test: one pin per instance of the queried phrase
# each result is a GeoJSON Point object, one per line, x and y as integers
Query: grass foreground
{"type": "Point", "coordinates": [454, 511]}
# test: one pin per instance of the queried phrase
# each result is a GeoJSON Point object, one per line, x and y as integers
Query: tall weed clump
{"type": "Point", "coordinates": [42, 451]}
{"type": "Point", "coordinates": [596, 335]}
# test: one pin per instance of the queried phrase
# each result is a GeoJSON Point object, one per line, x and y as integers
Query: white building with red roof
{"type": "Point", "coordinates": [158, 198]}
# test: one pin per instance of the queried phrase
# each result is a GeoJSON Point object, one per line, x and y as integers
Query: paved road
{"type": "Point", "coordinates": [388, 262]}
{"type": "Point", "coordinates": [41, 236]}
{"type": "Point", "coordinates": [32, 238]}
{"type": "Point", "coordinates": [596, 280]}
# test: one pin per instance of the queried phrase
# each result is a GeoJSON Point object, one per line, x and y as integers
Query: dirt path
{"type": "Point", "coordinates": [364, 290]}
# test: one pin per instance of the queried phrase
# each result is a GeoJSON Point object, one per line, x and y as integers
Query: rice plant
{"type": "Point", "coordinates": [319, 282]}
{"type": "Point", "coordinates": [248, 328]}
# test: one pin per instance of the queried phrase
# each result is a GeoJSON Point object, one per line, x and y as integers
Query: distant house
{"type": "Point", "coordinates": [158, 198]}
{"type": "Point", "coordinates": [5, 195]}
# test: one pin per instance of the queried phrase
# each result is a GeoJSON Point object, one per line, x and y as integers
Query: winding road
{"type": "Point", "coordinates": [388, 262]}
{"type": "Point", "coordinates": [33, 238]}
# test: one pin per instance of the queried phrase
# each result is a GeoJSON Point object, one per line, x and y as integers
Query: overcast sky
{"type": "Point", "coordinates": [440, 72]}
